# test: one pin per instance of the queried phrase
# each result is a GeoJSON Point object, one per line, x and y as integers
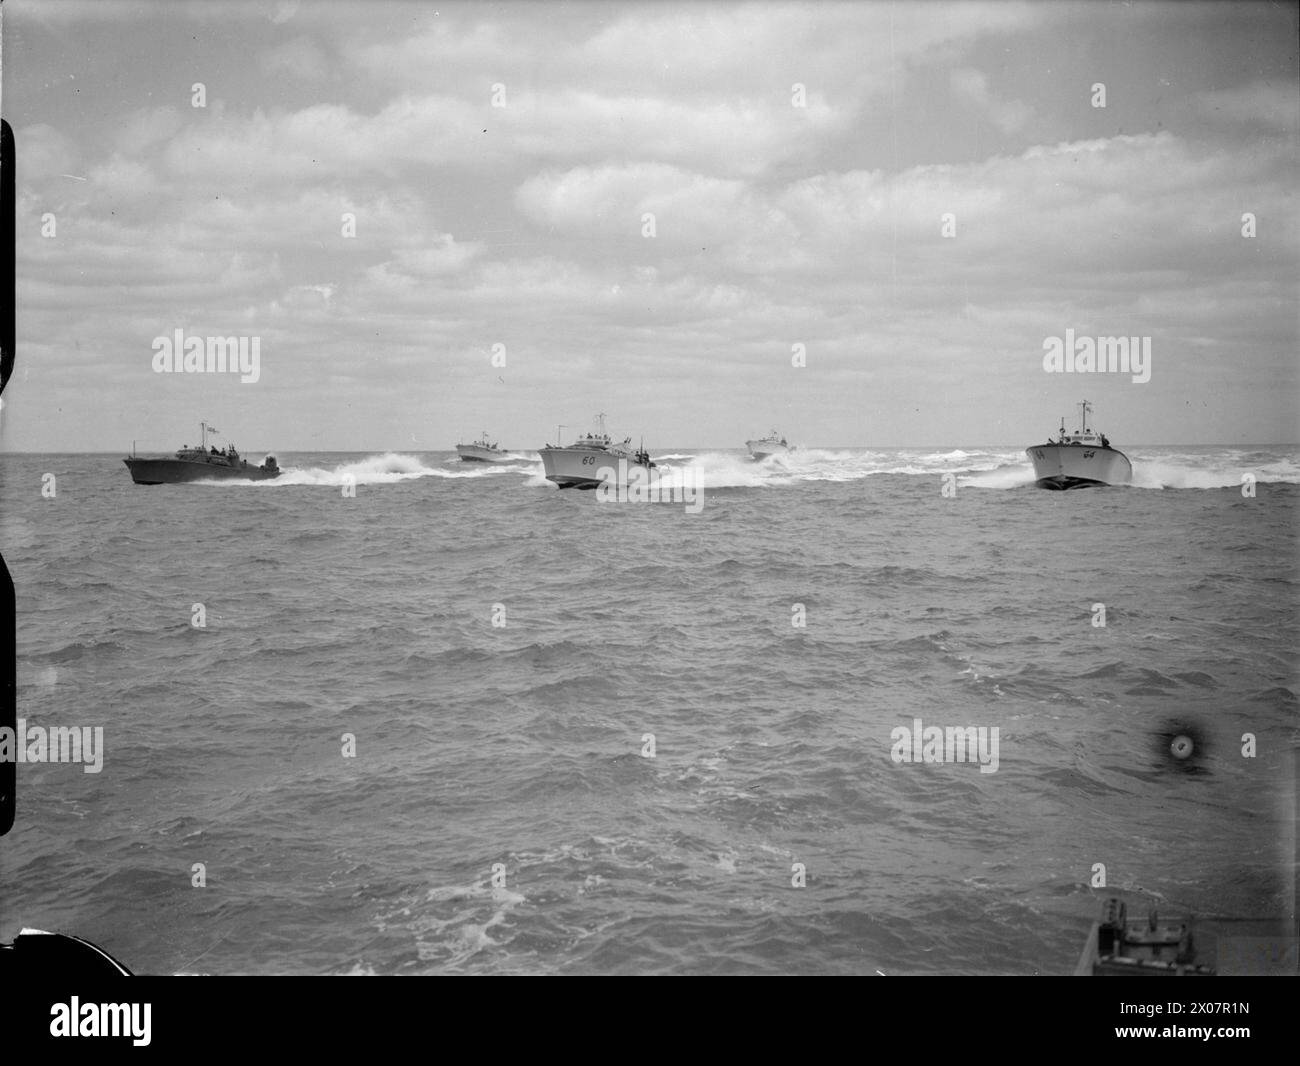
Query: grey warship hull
{"type": "Point", "coordinates": [179, 471]}
{"type": "Point", "coordinates": [472, 453]}
{"type": "Point", "coordinates": [1069, 466]}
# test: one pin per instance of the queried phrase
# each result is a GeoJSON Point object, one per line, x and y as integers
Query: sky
{"type": "Point", "coordinates": [857, 223]}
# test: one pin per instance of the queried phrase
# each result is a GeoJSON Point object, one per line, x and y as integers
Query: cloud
{"type": "Point", "coordinates": [1261, 106]}
{"type": "Point", "coordinates": [972, 88]}
{"type": "Point", "coordinates": [83, 12]}
{"type": "Point", "coordinates": [332, 141]}
{"type": "Point", "coordinates": [300, 59]}
{"type": "Point", "coordinates": [120, 180]}
{"type": "Point", "coordinates": [145, 128]}
{"type": "Point", "coordinates": [47, 154]}
{"type": "Point", "coordinates": [774, 224]}
{"type": "Point", "coordinates": [688, 50]}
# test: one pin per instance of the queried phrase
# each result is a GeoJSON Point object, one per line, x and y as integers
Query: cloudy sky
{"type": "Point", "coordinates": [775, 225]}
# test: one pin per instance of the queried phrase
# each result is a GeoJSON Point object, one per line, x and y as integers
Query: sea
{"type": "Point", "coordinates": [401, 714]}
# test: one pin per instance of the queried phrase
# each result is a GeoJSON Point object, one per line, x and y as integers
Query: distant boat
{"type": "Point", "coordinates": [772, 444]}
{"type": "Point", "coordinates": [482, 451]}
{"type": "Point", "coordinates": [1079, 460]}
{"type": "Point", "coordinates": [578, 465]}
{"type": "Point", "coordinates": [200, 464]}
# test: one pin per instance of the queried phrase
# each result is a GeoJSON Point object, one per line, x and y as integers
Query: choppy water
{"type": "Point", "coordinates": [522, 744]}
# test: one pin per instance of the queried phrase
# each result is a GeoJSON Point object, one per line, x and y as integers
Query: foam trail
{"type": "Point", "coordinates": [386, 469]}
{"type": "Point", "coordinates": [1208, 472]}
{"type": "Point", "coordinates": [991, 469]}
{"type": "Point", "coordinates": [720, 470]}
{"type": "Point", "coordinates": [1006, 476]}
{"type": "Point", "coordinates": [456, 469]}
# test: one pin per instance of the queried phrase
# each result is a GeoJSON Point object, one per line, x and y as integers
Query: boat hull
{"type": "Point", "coordinates": [584, 468]}
{"type": "Point", "coordinates": [179, 471]}
{"type": "Point", "coordinates": [759, 449]}
{"type": "Point", "coordinates": [1078, 466]}
{"type": "Point", "coordinates": [472, 454]}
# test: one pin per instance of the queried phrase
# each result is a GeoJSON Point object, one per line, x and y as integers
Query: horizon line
{"type": "Point", "coordinates": [705, 448]}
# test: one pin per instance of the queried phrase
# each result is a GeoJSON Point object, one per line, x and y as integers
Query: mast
{"type": "Point", "coordinates": [1084, 408]}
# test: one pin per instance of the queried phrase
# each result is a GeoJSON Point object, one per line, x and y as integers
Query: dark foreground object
{"type": "Point", "coordinates": [1152, 945]}
{"type": "Point", "coordinates": [35, 955]}
{"type": "Point", "coordinates": [1175, 946]}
